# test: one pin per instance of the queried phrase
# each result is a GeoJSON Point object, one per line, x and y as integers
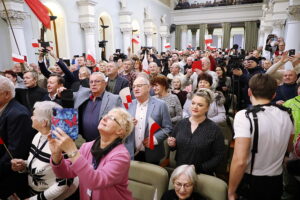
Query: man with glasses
{"type": "Point", "coordinates": [93, 103]}
{"type": "Point", "coordinates": [142, 109]}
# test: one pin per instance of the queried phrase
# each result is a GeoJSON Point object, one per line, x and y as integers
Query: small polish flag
{"type": "Point", "coordinates": [136, 39]}
{"type": "Point", "coordinates": [189, 46]}
{"type": "Point", "coordinates": [153, 128]}
{"type": "Point", "coordinates": [208, 39]}
{"type": "Point", "coordinates": [1, 141]}
{"type": "Point", "coordinates": [211, 48]}
{"type": "Point", "coordinates": [90, 57]}
{"type": "Point", "coordinates": [167, 46]}
{"type": "Point", "coordinates": [18, 58]}
{"type": "Point", "coordinates": [145, 64]}
{"type": "Point", "coordinates": [35, 44]}
{"type": "Point", "coordinates": [125, 97]}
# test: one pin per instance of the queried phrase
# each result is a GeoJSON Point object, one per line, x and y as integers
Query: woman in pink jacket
{"type": "Point", "coordinates": [101, 165]}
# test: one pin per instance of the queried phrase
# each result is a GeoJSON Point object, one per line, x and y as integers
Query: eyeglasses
{"type": "Point", "coordinates": [178, 185]}
{"type": "Point", "coordinates": [113, 118]}
{"type": "Point", "coordinates": [138, 86]}
{"type": "Point", "coordinates": [96, 81]}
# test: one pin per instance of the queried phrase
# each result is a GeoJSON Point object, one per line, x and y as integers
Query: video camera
{"type": "Point", "coordinates": [44, 45]}
{"type": "Point", "coordinates": [118, 55]}
{"type": "Point", "coordinates": [145, 50]}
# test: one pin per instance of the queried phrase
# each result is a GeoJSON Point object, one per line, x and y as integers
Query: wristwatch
{"type": "Point", "coordinates": [73, 154]}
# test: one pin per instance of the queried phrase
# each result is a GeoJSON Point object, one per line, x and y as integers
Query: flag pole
{"type": "Point", "coordinates": [8, 151]}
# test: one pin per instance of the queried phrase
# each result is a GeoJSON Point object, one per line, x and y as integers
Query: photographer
{"type": "Point", "coordinates": [275, 45]}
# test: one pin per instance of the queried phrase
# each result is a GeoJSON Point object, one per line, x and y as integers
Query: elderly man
{"type": "Point", "coordinates": [192, 78]}
{"type": "Point", "coordinates": [16, 133]}
{"type": "Point", "coordinates": [288, 89]}
{"type": "Point", "coordinates": [142, 109]}
{"type": "Point", "coordinates": [175, 72]}
{"type": "Point", "coordinates": [93, 103]}
{"type": "Point", "coordinates": [32, 93]}
{"type": "Point", "coordinates": [115, 82]}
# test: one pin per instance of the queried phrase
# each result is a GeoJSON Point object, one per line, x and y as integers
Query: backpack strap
{"type": "Point", "coordinates": [254, 110]}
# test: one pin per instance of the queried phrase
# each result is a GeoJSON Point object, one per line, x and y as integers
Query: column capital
{"type": "Point", "coordinates": [279, 23]}
{"type": "Point", "coordinates": [183, 27]}
{"type": "Point", "coordinates": [164, 35]}
{"type": "Point", "coordinates": [126, 30]}
{"type": "Point", "coordinates": [88, 27]}
{"type": "Point", "coordinates": [266, 29]}
{"type": "Point", "coordinates": [16, 17]}
{"type": "Point", "coordinates": [294, 12]}
{"type": "Point", "coordinates": [86, 2]}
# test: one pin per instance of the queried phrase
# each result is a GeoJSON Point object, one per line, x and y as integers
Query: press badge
{"type": "Point", "coordinates": [89, 192]}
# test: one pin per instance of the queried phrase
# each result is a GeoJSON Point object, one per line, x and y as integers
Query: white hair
{"type": "Point", "coordinates": [43, 111]}
{"type": "Point", "coordinates": [125, 120]}
{"type": "Point", "coordinates": [7, 86]}
{"type": "Point", "coordinates": [188, 170]}
{"type": "Point", "coordinates": [101, 75]}
{"type": "Point", "coordinates": [144, 77]}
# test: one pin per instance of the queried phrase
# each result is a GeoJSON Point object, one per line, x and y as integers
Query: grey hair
{"type": "Point", "coordinates": [100, 74]}
{"type": "Point", "coordinates": [176, 64]}
{"type": "Point", "coordinates": [34, 75]}
{"type": "Point", "coordinates": [205, 58]}
{"type": "Point", "coordinates": [86, 70]}
{"type": "Point", "coordinates": [125, 120]}
{"type": "Point", "coordinates": [7, 86]}
{"type": "Point", "coordinates": [188, 170]}
{"type": "Point", "coordinates": [43, 110]}
{"type": "Point", "coordinates": [153, 63]}
{"type": "Point", "coordinates": [145, 77]}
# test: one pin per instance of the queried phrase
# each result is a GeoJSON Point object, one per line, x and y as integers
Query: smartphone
{"type": "Point", "coordinates": [291, 52]}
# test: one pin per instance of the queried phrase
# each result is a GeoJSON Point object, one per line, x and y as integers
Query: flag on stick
{"type": "Point", "coordinates": [90, 57]}
{"type": "Point", "coordinates": [40, 11]}
{"type": "Point", "coordinates": [153, 127]}
{"type": "Point", "coordinates": [167, 46]}
{"type": "Point", "coordinates": [18, 58]}
{"type": "Point", "coordinates": [145, 64]}
{"type": "Point", "coordinates": [2, 142]}
{"type": "Point", "coordinates": [125, 97]}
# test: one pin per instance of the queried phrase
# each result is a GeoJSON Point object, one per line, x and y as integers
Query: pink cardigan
{"type": "Point", "coordinates": [108, 181]}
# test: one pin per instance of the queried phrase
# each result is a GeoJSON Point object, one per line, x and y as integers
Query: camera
{"type": "Point", "coordinates": [118, 55]}
{"type": "Point", "coordinates": [291, 52]}
{"type": "Point", "coordinates": [145, 50]}
{"type": "Point", "coordinates": [44, 45]}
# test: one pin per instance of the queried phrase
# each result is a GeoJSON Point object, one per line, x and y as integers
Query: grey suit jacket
{"type": "Point", "coordinates": [109, 100]}
{"type": "Point", "coordinates": [158, 110]}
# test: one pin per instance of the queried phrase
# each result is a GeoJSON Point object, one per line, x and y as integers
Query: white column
{"type": "Point", "coordinates": [149, 41]}
{"type": "Point", "coordinates": [126, 28]}
{"type": "Point", "coordinates": [194, 38]}
{"type": "Point", "coordinates": [16, 16]}
{"type": "Point", "coordinates": [164, 33]}
{"type": "Point", "coordinates": [183, 36]}
{"type": "Point", "coordinates": [293, 27]}
{"type": "Point", "coordinates": [261, 37]}
{"type": "Point", "coordinates": [88, 24]}
{"type": "Point", "coordinates": [278, 27]}
{"type": "Point", "coordinates": [89, 35]}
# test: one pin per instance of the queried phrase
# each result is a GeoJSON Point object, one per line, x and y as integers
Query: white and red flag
{"type": "Point", "coordinates": [208, 40]}
{"type": "Point", "coordinates": [136, 39]}
{"type": "Point", "coordinates": [90, 57]}
{"type": "Point", "coordinates": [153, 127]}
{"type": "Point", "coordinates": [145, 64]}
{"type": "Point", "coordinates": [167, 45]}
{"type": "Point", "coordinates": [40, 11]}
{"type": "Point", "coordinates": [125, 96]}
{"type": "Point", "coordinates": [18, 58]}
{"type": "Point", "coordinates": [35, 43]}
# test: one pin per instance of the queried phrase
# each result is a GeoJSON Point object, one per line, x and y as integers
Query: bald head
{"type": "Point", "coordinates": [290, 77]}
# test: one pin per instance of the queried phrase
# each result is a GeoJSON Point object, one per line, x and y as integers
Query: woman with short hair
{"type": "Point", "coordinates": [102, 165]}
{"type": "Point", "coordinates": [42, 181]}
{"type": "Point", "coordinates": [184, 179]}
{"type": "Point", "coordinates": [160, 86]}
{"type": "Point", "coordinates": [197, 139]}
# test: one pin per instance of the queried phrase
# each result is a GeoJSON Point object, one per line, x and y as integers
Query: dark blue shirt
{"type": "Point", "coordinates": [91, 119]}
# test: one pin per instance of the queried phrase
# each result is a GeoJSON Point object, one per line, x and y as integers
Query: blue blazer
{"type": "Point", "coordinates": [158, 110]}
{"type": "Point", "coordinates": [17, 134]}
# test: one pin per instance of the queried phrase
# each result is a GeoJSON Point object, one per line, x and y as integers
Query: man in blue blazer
{"type": "Point", "coordinates": [17, 134]}
{"type": "Point", "coordinates": [93, 103]}
{"type": "Point", "coordinates": [141, 109]}
{"type": "Point", "coordinates": [115, 82]}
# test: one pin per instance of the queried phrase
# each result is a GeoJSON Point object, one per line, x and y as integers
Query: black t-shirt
{"type": "Point", "coordinates": [171, 195]}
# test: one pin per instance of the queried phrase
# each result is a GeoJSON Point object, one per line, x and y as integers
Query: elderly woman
{"type": "Point", "coordinates": [197, 139]}
{"type": "Point", "coordinates": [184, 180]}
{"type": "Point", "coordinates": [216, 110]}
{"type": "Point", "coordinates": [160, 86]}
{"type": "Point", "coordinates": [102, 165]}
{"type": "Point", "coordinates": [177, 90]}
{"type": "Point", "coordinates": [41, 179]}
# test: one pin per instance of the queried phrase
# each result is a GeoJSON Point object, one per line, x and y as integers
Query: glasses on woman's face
{"type": "Point", "coordinates": [113, 118]}
{"type": "Point", "coordinates": [186, 186]}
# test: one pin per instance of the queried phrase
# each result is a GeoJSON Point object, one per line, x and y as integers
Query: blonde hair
{"type": "Point", "coordinates": [125, 120]}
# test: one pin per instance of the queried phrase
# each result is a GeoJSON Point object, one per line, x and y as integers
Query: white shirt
{"type": "Point", "coordinates": [275, 129]}
{"type": "Point", "coordinates": [140, 116]}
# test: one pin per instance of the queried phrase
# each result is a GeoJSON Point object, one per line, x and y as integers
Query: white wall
{"type": "Point", "coordinates": [5, 47]}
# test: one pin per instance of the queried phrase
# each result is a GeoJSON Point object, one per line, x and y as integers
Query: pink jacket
{"type": "Point", "coordinates": [108, 181]}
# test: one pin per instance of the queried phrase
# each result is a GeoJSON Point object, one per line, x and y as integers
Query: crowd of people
{"type": "Point", "coordinates": [192, 103]}
{"type": "Point", "coordinates": [184, 4]}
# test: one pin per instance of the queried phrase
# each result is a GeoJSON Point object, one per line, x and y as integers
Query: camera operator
{"type": "Point", "coordinates": [275, 45]}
